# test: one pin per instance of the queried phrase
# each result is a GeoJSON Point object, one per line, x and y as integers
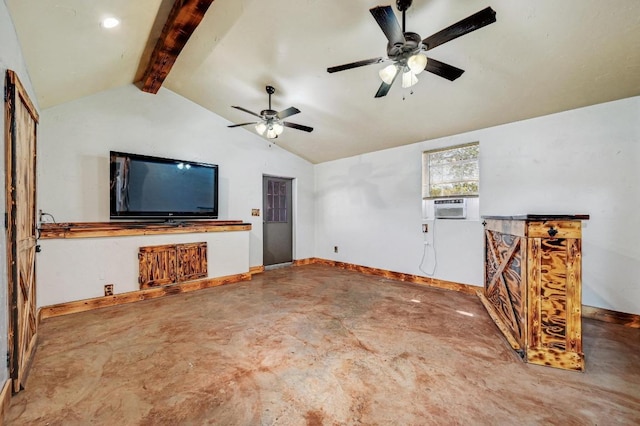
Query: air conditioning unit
{"type": "Point", "coordinates": [453, 208]}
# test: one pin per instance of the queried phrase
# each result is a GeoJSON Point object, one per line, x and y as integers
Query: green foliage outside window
{"type": "Point", "coordinates": [451, 172]}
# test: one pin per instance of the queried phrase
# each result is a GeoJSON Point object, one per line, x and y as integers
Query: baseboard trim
{"type": "Point", "coordinates": [415, 279]}
{"type": "Point", "coordinates": [137, 296]}
{"type": "Point", "coordinates": [600, 314]}
{"type": "Point", "coordinates": [256, 269]}
{"type": "Point", "coordinates": [5, 400]}
{"type": "Point", "coordinates": [614, 317]}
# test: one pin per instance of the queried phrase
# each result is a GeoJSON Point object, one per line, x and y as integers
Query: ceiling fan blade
{"type": "Point", "coordinates": [355, 65]}
{"type": "Point", "coordinates": [443, 70]}
{"type": "Point", "coordinates": [247, 111]}
{"type": "Point", "coordinates": [287, 112]}
{"type": "Point", "coordinates": [384, 87]}
{"type": "Point", "coordinates": [385, 17]}
{"type": "Point", "coordinates": [243, 124]}
{"type": "Point", "coordinates": [477, 20]}
{"type": "Point", "coordinates": [298, 126]}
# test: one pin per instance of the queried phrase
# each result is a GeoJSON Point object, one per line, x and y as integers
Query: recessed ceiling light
{"type": "Point", "coordinates": [110, 22]}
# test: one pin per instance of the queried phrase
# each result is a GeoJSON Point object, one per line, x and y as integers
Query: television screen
{"type": "Point", "coordinates": [142, 186]}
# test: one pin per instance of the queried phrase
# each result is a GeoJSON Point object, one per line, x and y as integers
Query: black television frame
{"type": "Point", "coordinates": [169, 216]}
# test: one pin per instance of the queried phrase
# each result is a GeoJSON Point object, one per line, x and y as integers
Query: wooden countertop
{"type": "Point", "coordinates": [116, 229]}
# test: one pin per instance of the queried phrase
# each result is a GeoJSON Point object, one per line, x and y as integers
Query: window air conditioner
{"type": "Point", "coordinates": [453, 208]}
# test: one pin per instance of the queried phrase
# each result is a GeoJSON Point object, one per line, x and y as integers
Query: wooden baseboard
{"type": "Point", "coordinates": [5, 400]}
{"type": "Point", "coordinates": [137, 296]}
{"type": "Point", "coordinates": [416, 279]}
{"type": "Point", "coordinates": [614, 317]}
{"type": "Point", "coordinates": [256, 269]}
{"type": "Point", "coordinates": [600, 314]}
{"type": "Point", "coordinates": [303, 262]}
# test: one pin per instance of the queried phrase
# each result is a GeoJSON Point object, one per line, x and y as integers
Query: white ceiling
{"type": "Point", "coordinates": [538, 58]}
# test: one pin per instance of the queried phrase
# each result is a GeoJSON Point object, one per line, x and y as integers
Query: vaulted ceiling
{"type": "Point", "coordinates": [539, 58]}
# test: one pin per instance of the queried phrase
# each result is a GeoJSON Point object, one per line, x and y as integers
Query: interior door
{"type": "Point", "coordinates": [278, 223]}
{"type": "Point", "coordinates": [21, 121]}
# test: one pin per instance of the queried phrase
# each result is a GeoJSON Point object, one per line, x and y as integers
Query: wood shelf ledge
{"type": "Point", "coordinates": [119, 229]}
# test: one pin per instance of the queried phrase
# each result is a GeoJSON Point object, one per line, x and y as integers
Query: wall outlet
{"type": "Point", "coordinates": [255, 212]}
{"type": "Point", "coordinates": [108, 289]}
{"type": "Point", "coordinates": [335, 249]}
{"type": "Point", "coordinates": [425, 227]}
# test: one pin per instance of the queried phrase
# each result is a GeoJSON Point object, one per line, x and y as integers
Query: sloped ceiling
{"type": "Point", "coordinates": [538, 58]}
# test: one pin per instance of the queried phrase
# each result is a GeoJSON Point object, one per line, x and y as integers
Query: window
{"type": "Point", "coordinates": [451, 172]}
{"type": "Point", "coordinates": [276, 201]}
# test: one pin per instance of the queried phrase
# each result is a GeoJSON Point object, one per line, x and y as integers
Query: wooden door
{"type": "Point", "coordinates": [21, 121]}
{"type": "Point", "coordinates": [277, 245]}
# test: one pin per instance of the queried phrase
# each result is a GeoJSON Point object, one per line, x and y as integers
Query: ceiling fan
{"type": "Point", "coordinates": [405, 48]}
{"type": "Point", "coordinates": [270, 123]}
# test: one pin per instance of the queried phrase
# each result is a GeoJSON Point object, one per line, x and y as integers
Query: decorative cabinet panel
{"type": "Point", "coordinates": [533, 286]}
{"type": "Point", "coordinates": [192, 261]}
{"type": "Point", "coordinates": [171, 263]}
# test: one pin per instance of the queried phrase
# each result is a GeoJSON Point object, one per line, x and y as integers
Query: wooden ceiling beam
{"type": "Point", "coordinates": [181, 23]}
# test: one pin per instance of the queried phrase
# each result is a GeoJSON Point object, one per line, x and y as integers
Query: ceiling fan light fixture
{"type": "Point", "coordinates": [388, 73]}
{"type": "Point", "coordinates": [271, 133]}
{"type": "Point", "coordinates": [278, 128]}
{"type": "Point", "coordinates": [261, 127]}
{"type": "Point", "coordinates": [417, 63]}
{"type": "Point", "coordinates": [408, 79]}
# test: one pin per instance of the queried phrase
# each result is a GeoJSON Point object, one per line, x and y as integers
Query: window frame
{"type": "Point", "coordinates": [426, 194]}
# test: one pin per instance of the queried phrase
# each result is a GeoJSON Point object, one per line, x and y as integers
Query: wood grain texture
{"type": "Point", "coordinates": [157, 265]}
{"type": "Point", "coordinates": [416, 279]}
{"type": "Point", "coordinates": [556, 358]}
{"type": "Point", "coordinates": [192, 261]}
{"type": "Point", "coordinates": [5, 400]}
{"type": "Point", "coordinates": [554, 229]}
{"type": "Point", "coordinates": [171, 263]}
{"type": "Point", "coordinates": [504, 287]}
{"type": "Point", "coordinates": [139, 295]}
{"type": "Point", "coordinates": [547, 304]}
{"type": "Point", "coordinates": [614, 317]}
{"type": "Point", "coordinates": [21, 120]}
{"type": "Point", "coordinates": [116, 229]}
{"type": "Point", "coordinates": [497, 319]}
{"type": "Point", "coordinates": [256, 269]}
{"type": "Point", "coordinates": [509, 227]}
{"type": "Point", "coordinates": [184, 18]}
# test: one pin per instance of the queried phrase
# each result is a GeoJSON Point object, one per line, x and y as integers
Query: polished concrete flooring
{"type": "Point", "coordinates": [316, 345]}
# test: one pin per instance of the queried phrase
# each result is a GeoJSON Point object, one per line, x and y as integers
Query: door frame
{"type": "Point", "coordinates": [294, 211]}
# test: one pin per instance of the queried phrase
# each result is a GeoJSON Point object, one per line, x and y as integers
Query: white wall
{"type": "Point", "coordinates": [580, 161]}
{"type": "Point", "coordinates": [76, 137]}
{"type": "Point", "coordinates": [10, 58]}
{"type": "Point", "coordinates": [75, 269]}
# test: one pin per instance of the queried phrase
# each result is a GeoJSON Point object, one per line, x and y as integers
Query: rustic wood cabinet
{"type": "Point", "coordinates": [532, 286]}
{"type": "Point", "coordinates": [171, 263]}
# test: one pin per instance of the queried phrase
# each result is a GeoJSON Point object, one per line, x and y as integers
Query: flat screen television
{"type": "Point", "coordinates": [145, 187]}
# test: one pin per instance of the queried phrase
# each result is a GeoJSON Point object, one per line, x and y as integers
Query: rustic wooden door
{"type": "Point", "coordinates": [21, 121]}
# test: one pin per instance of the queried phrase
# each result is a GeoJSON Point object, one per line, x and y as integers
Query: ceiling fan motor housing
{"type": "Point", "coordinates": [268, 113]}
{"type": "Point", "coordinates": [411, 46]}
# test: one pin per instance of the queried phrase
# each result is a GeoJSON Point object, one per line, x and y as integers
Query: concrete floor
{"type": "Point", "coordinates": [316, 345]}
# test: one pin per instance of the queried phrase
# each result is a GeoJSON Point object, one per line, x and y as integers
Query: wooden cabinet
{"type": "Point", "coordinates": [532, 286]}
{"type": "Point", "coordinates": [171, 263]}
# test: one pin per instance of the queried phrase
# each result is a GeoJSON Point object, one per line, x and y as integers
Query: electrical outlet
{"type": "Point", "coordinates": [335, 249]}
{"type": "Point", "coordinates": [255, 212]}
{"type": "Point", "coordinates": [108, 289]}
{"type": "Point", "coordinates": [425, 227]}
